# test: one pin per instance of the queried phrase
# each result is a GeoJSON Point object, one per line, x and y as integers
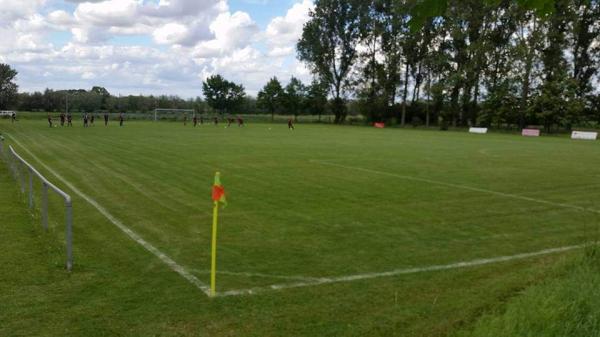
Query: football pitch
{"type": "Point", "coordinates": [329, 230]}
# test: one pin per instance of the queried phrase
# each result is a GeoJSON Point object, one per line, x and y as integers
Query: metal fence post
{"type": "Point", "coordinates": [30, 189]}
{"type": "Point", "coordinates": [45, 206]}
{"type": "Point", "coordinates": [9, 163]}
{"type": "Point", "coordinates": [69, 233]}
{"type": "Point", "coordinates": [13, 167]}
{"type": "Point", "coordinates": [21, 176]}
{"type": "Point", "coordinates": [16, 170]}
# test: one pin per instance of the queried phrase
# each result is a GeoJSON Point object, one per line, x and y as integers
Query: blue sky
{"type": "Point", "coordinates": [262, 11]}
{"type": "Point", "coordinates": [151, 47]}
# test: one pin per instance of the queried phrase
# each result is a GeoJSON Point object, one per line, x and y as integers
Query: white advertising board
{"type": "Point", "coordinates": [584, 135]}
{"type": "Point", "coordinates": [478, 130]}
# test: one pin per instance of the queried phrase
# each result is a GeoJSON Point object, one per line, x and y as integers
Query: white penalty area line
{"type": "Point", "coordinates": [458, 186]}
{"type": "Point", "coordinates": [133, 235]}
{"type": "Point", "coordinates": [396, 272]}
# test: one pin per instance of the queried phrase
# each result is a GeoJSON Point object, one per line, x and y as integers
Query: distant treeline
{"type": "Point", "coordinates": [295, 100]}
{"type": "Point", "coordinates": [99, 99]}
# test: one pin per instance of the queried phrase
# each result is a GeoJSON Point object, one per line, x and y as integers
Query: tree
{"type": "Point", "coordinates": [103, 93]}
{"type": "Point", "coordinates": [236, 95]}
{"type": "Point", "coordinates": [316, 98]}
{"type": "Point", "coordinates": [376, 75]}
{"type": "Point", "coordinates": [408, 43]}
{"type": "Point", "coordinates": [557, 102]}
{"type": "Point", "coordinates": [8, 88]}
{"type": "Point", "coordinates": [222, 95]}
{"type": "Point", "coordinates": [525, 56]}
{"type": "Point", "coordinates": [54, 100]}
{"type": "Point", "coordinates": [586, 32]}
{"type": "Point", "coordinates": [431, 8]}
{"type": "Point", "coordinates": [328, 44]}
{"type": "Point", "coordinates": [100, 91]}
{"type": "Point", "coordinates": [499, 79]}
{"type": "Point", "coordinates": [270, 96]}
{"type": "Point", "coordinates": [294, 96]}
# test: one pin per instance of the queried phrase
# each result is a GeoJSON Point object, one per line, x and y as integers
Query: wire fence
{"type": "Point", "coordinates": [25, 174]}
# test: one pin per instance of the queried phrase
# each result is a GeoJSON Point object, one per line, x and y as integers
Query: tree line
{"type": "Point", "coordinates": [220, 96]}
{"type": "Point", "coordinates": [489, 63]}
{"type": "Point", "coordinates": [99, 99]}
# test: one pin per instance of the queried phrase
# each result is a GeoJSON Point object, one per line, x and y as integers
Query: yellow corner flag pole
{"type": "Point", "coordinates": [213, 265]}
{"type": "Point", "coordinates": [218, 195]}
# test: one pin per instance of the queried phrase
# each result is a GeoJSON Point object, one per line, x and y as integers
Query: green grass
{"type": "Point", "coordinates": [292, 213]}
{"type": "Point", "coordinates": [567, 305]}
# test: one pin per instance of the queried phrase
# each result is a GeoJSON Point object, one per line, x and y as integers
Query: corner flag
{"type": "Point", "coordinates": [218, 195]}
{"type": "Point", "coordinates": [218, 192]}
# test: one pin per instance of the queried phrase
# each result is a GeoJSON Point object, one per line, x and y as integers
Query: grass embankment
{"type": "Point", "coordinates": [567, 304]}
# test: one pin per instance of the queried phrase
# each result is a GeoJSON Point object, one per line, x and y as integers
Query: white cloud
{"type": "Point", "coordinates": [246, 60]}
{"type": "Point", "coordinates": [286, 30]}
{"type": "Point", "coordinates": [231, 32]}
{"type": "Point", "coordinates": [180, 34]}
{"type": "Point", "coordinates": [60, 19]}
{"type": "Point", "coordinates": [182, 8]}
{"type": "Point", "coordinates": [88, 35]}
{"type": "Point", "coordinates": [88, 75]}
{"type": "Point", "coordinates": [24, 35]}
{"type": "Point", "coordinates": [281, 51]}
{"type": "Point", "coordinates": [136, 29]}
{"type": "Point", "coordinates": [31, 23]}
{"type": "Point", "coordinates": [184, 22]}
{"type": "Point", "coordinates": [92, 22]}
{"type": "Point", "coordinates": [16, 9]}
{"type": "Point", "coordinates": [189, 40]}
{"type": "Point", "coordinates": [107, 13]}
{"type": "Point", "coordinates": [171, 33]}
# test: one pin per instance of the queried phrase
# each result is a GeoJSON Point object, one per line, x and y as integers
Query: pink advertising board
{"type": "Point", "coordinates": [530, 132]}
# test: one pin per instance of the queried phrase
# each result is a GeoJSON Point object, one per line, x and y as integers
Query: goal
{"type": "Point", "coordinates": [172, 113]}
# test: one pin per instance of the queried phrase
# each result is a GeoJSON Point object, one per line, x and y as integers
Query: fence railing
{"type": "Point", "coordinates": [23, 171]}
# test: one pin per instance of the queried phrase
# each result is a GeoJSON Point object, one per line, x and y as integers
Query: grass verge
{"type": "Point", "coordinates": [565, 305]}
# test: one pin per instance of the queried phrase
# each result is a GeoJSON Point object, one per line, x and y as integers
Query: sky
{"type": "Point", "coordinates": [151, 46]}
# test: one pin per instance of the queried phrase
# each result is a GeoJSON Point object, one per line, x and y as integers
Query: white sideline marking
{"type": "Point", "coordinates": [149, 247]}
{"type": "Point", "coordinates": [464, 187]}
{"type": "Point", "coordinates": [357, 277]}
{"type": "Point", "coordinates": [248, 274]}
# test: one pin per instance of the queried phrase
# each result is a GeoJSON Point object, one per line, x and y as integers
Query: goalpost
{"type": "Point", "coordinates": [173, 112]}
